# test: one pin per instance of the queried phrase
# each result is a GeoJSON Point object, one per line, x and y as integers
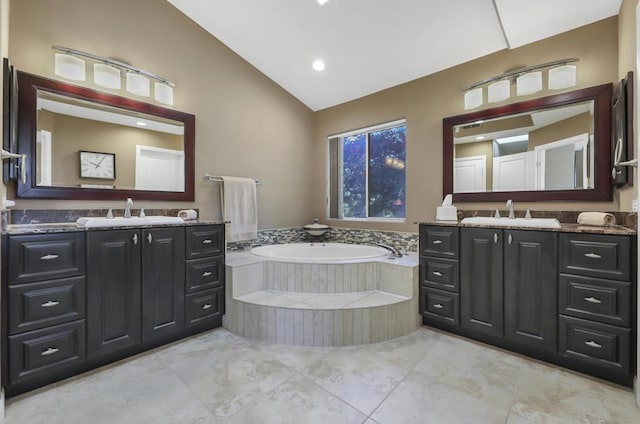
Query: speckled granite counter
{"type": "Point", "coordinates": [564, 228]}
{"type": "Point", "coordinates": [64, 227]}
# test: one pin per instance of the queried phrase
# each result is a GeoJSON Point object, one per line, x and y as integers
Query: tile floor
{"type": "Point", "coordinates": [424, 377]}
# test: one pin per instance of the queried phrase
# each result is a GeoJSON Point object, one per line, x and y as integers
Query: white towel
{"type": "Point", "coordinates": [240, 207]}
{"type": "Point", "coordinates": [600, 219]}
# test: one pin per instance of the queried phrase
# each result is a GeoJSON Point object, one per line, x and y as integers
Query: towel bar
{"type": "Point", "coordinates": [220, 180]}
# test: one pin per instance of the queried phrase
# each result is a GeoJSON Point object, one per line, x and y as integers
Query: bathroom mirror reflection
{"type": "Point", "coordinates": [84, 144]}
{"type": "Point", "coordinates": [548, 149]}
{"type": "Point", "coordinates": [551, 148]}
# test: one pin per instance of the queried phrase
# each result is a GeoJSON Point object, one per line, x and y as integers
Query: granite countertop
{"type": "Point", "coordinates": [564, 228]}
{"type": "Point", "coordinates": [65, 227]}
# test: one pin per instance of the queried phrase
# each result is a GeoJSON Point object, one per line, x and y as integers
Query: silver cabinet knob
{"type": "Point", "coordinates": [50, 351]}
{"type": "Point", "coordinates": [437, 242]}
{"type": "Point", "coordinates": [206, 306]}
{"type": "Point", "coordinates": [437, 273]}
{"type": "Point", "coordinates": [495, 237]}
{"type": "Point", "coordinates": [207, 241]}
{"type": "Point", "coordinates": [207, 273]}
{"type": "Point", "coordinates": [49, 257]}
{"type": "Point", "coordinates": [50, 304]}
{"type": "Point", "coordinates": [593, 300]}
{"type": "Point", "coordinates": [149, 238]}
{"type": "Point", "coordinates": [592, 255]}
{"type": "Point", "coordinates": [135, 239]}
{"type": "Point", "coordinates": [591, 343]}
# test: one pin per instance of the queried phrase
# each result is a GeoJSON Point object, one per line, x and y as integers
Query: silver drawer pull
{"type": "Point", "coordinates": [591, 343]}
{"type": "Point", "coordinates": [135, 239]}
{"type": "Point", "coordinates": [149, 238]}
{"type": "Point", "coordinates": [437, 242]}
{"type": "Point", "coordinates": [438, 306]}
{"type": "Point", "coordinates": [207, 241]}
{"type": "Point", "coordinates": [495, 238]}
{"type": "Point", "coordinates": [592, 255]}
{"type": "Point", "coordinates": [50, 304]}
{"type": "Point", "coordinates": [437, 273]}
{"type": "Point", "coordinates": [206, 306]}
{"type": "Point", "coordinates": [48, 257]}
{"type": "Point", "coordinates": [50, 351]}
{"type": "Point", "coordinates": [206, 273]}
{"type": "Point", "coordinates": [593, 299]}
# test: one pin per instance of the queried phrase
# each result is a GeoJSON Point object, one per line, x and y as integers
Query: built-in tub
{"type": "Point", "coordinates": [320, 253]}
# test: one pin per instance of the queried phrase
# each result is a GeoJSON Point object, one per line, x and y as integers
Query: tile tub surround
{"type": "Point", "coordinates": [397, 239]}
{"type": "Point", "coordinates": [321, 304]}
{"type": "Point", "coordinates": [425, 377]}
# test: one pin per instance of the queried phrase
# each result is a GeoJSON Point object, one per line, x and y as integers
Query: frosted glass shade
{"type": "Point", "coordinates": [69, 67]}
{"type": "Point", "coordinates": [529, 83]}
{"type": "Point", "coordinates": [106, 76]}
{"type": "Point", "coordinates": [163, 93]}
{"type": "Point", "coordinates": [138, 84]}
{"type": "Point", "coordinates": [499, 91]}
{"type": "Point", "coordinates": [473, 98]}
{"type": "Point", "coordinates": [562, 77]}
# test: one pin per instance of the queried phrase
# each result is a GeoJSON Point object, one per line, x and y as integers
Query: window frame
{"type": "Point", "coordinates": [340, 183]}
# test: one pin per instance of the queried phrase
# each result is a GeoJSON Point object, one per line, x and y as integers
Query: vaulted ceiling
{"type": "Point", "coordinates": [371, 45]}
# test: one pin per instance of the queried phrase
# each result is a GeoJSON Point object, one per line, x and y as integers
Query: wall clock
{"type": "Point", "coordinates": [97, 165]}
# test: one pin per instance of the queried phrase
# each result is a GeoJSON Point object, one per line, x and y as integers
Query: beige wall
{"type": "Point", "coordinates": [575, 125]}
{"type": "Point", "coordinates": [424, 102]}
{"type": "Point", "coordinates": [69, 135]}
{"type": "Point", "coordinates": [246, 125]}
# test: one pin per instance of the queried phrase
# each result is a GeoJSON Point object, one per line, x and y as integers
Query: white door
{"type": "Point", "coordinates": [159, 169]}
{"type": "Point", "coordinates": [43, 153]}
{"type": "Point", "coordinates": [469, 174]}
{"type": "Point", "coordinates": [515, 172]}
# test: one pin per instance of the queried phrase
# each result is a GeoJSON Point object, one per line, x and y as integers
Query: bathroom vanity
{"type": "Point", "coordinates": [565, 296]}
{"type": "Point", "coordinates": [75, 299]}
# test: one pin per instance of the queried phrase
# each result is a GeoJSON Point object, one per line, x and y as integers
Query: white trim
{"type": "Point", "coordinates": [372, 128]}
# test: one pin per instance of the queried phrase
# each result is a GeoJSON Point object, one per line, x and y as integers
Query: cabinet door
{"type": "Point", "coordinates": [531, 287]}
{"type": "Point", "coordinates": [163, 282]}
{"type": "Point", "coordinates": [113, 290]}
{"type": "Point", "coordinates": [481, 296]}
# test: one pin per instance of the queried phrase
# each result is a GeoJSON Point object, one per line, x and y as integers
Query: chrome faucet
{"type": "Point", "coordinates": [405, 250]}
{"type": "Point", "coordinates": [394, 252]}
{"type": "Point", "coordinates": [510, 206]}
{"type": "Point", "coordinates": [127, 208]}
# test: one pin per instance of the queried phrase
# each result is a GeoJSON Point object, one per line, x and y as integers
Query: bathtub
{"type": "Point", "coordinates": [328, 253]}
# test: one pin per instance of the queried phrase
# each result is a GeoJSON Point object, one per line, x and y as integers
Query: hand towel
{"type": "Point", "coordinates": [600, 219]}
{"type": "Point", "coordinates": [240, 208]}
{"type": "Point", "coordinates": [187, 214]}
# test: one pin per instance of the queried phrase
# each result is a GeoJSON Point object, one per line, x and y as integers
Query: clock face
{"type": "Point", "coordinates": [97, 165]}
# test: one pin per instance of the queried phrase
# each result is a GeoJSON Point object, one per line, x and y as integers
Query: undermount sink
{"type": "Point", "coordinates": [513, 222]}
{"type": "Point", "coordinates": [102, 222]}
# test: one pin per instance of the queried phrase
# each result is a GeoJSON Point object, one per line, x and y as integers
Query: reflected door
{"type": "Point", "coordinates": [469, 174]}
{"type": "Point", "coordinates": [515, 172]}
{"type": "Point", "coordinates": [159, 169]}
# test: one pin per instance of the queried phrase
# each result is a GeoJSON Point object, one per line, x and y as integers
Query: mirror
{"type": "Point", "coordinates": [84, 144]}
{"type": "Point", "coordinates": [552, 148]}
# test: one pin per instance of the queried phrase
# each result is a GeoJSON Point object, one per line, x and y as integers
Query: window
{"type": "Point", "coordinates": [367, 173]}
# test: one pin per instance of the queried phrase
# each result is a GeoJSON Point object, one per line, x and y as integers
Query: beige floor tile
{"type": "Point", "coordinates": [37, 407]}
{"type": "Point", "coordinates": [547, 394]}
{"type": "Point", "coordinates": [297, 401]}
{"type": "Point", "coordinates": [295, 357]}
{"type": "Point", "coordinates": [357, 376]}
{"type": "Point", "coordinates": [408, 350]}
{"type": "Point", "coordinates": [418, 400]}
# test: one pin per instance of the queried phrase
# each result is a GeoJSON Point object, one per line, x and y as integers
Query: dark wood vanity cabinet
{"type": "Point", "coordinates": [79, 300]}
{"type": "Point", "coordinates": [567, 298]}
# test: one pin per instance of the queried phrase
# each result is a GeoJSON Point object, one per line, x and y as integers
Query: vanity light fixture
{"type": "Point", "coordinates": [528, 80]}
{"type": "Point", "coordinates": [69, 67]}
{"type": "Point", "coordinates": [142, 124]}
{"type": "Point", "coordinates": [107, 76]}
{"type": "Point", "coordinates": [70, 64]}
{"type": "Point", "coordinates": [322, 2]}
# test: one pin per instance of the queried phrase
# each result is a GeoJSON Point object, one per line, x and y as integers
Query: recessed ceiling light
{"type": "Point", "coordinates": [142, 124]}
{"type": "Point", "coordinates": [318, 65]}
{"type": "Point", "coordinates": [321, 2]}
{"type": "Point", "coordinates": [480, 137]}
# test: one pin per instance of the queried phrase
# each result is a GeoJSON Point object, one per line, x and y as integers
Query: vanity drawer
{"type": "Point", "coordinates": [46, 257]}
{"type": "Point", "coordinates": [604, 345]}
{"type": "Point", "coordinates": [596, 299]}
{"type": "Point", "coordinates": [439, 305]}
{"type": "Point", "coordinates": [39, 352]}
{"type": "Point", "coordinates": [439, 241]}
{"type": "Point", "coordinates": [204, 274]}
{"type": "Point", "coordinates": [596, 255]}
{"type": "Point", "coordinates": [38, 305]}
{"type": "Point", "coordinates": [205, 305]}
{"type": "Point", "coordinates": [205, 241]}
{"type": "Point", "coordinates": [440, 273]}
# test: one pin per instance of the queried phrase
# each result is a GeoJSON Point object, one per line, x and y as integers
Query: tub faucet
{"type": "Point", "coordinates": [127, 207]}
{"type": "Point", "coordinates": [394, 252]}
{"type": "Point", "coordinates": [510, 206]}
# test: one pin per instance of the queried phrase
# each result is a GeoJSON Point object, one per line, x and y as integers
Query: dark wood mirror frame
{"type": "Point", "coordinates": [601, 95]}
{"type": "Point", "coordinates": [28, 86]}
